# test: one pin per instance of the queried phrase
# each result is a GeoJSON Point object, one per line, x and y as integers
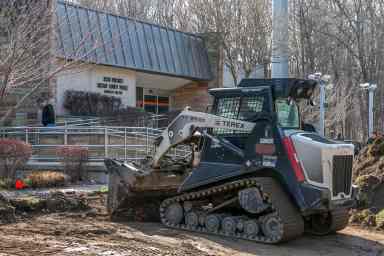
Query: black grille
{"type": "Point", "coordinates": [342, 174]}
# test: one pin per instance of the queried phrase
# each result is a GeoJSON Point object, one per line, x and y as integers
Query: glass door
{"type": "Point", "coordinates": [152, 101]}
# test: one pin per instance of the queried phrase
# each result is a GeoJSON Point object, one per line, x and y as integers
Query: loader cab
{"type": "Point", "coordinates": [245, 104]}
{"type": "Point", "coordinates": [277, 97]}
{"type": "Point", "coordinates": [286, 94]}
{"type": "Point", "coordinates": [271, 104]}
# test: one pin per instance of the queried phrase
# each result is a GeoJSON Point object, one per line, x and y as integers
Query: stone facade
{"type": "Point", "coordinates": [194, 95]}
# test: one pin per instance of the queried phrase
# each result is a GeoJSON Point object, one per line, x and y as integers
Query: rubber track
{"type": "Point", "coordinates": [272, 192]}
{"type": "Point", "coordinates": [340, 219]}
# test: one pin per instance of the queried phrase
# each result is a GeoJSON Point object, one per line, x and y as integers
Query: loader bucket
{"type": "Point", "coordinates": [135, 194]}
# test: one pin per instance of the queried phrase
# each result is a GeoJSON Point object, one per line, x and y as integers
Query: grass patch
{"type": "Point", "coordinates": [5, 183]}
{"type": "Point", "coordinates": [104, 189]}
{"type": "Point", "coordinates": [46, 179]}
{"type": "Point", "coordinates": [380, 219]}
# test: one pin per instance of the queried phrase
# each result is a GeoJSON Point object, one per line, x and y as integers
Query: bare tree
{"type": "Point", "coordinates": [170, 13]}
{"type": "Point", "coordinates": [139, 9]}
{"type": "Point", "coordinates": [28, 56]}
{"type": "Point", "coordinates": [243, 27]}
{"type": "Point", "coordinates": [341, 38]}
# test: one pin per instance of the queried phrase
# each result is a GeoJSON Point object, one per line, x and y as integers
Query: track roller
{"type": "Point", "coordinates": [174, 213]}
{"type": "Point", "coordinates": [213, 222]}
{"type": "Point", "coordinates": [272, 226]}
{"type": "Point", "coordinates": [229, 225]}
{"type": "Point", "coordinates": [202, 219]}
{"type": "Point", "coordinates": [251, 228]}
{"type": "Point", "coordinates": [192, 219]}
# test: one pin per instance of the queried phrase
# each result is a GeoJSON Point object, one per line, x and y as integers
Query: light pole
{"type": "Point", "coordinates": [371, 92]}
{"type": "Point", "coordinates": [322, 80]}
{"type": "Point", "coordinates": [280, 39]}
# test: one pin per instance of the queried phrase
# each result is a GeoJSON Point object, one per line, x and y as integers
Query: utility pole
{"type": "Point", "coordinates": [280, 39]}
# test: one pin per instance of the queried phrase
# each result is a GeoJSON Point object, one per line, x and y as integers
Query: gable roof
{"type": "Point", "coordinates": [129, 43]}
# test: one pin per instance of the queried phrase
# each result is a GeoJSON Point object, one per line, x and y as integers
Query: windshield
{"type": "Point", "coordinates": [288, 114]}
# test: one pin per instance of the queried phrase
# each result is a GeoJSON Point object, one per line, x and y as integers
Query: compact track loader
{"type": "Point", "coordinates": [252, 172]}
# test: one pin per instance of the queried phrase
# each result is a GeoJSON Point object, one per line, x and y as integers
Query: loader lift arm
{"type": "Point", "coordinates": [185, 125]}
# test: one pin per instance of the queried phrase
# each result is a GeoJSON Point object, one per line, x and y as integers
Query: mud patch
{"type": "Point", "coordinates": [7, 211]}
{"type": "Point", "coordinates": [55, 202]}
{"type": "Point", "coordinates": [59, 202]}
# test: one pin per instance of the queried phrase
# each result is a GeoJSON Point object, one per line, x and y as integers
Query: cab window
{"type": "Point", "coordinates": [239, 108]}
{"type": "Point", "coordinates": [288, 114]}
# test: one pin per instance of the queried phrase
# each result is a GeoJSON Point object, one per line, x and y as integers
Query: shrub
{"type": "Point", "coordinates": [5, 183]}
{"type": "Point", "coordinates": [14, 154]}
{"type": "Point", "coordinates": [46, 179]}
{"type": "Point", "coordinates": [89, 103]}
{"type": "Point", "coordinates": [74, 159]}
{"type": "Point", "coordinates": [380, 219]}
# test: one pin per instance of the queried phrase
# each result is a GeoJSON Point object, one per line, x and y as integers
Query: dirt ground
{"type": "Point", "coordinates": [91, 233]}
{"type": "Point", "coordinates": [76, 234]}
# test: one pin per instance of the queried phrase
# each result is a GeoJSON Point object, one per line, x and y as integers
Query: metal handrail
{"type": "Point", "coordinates": [124, 143]}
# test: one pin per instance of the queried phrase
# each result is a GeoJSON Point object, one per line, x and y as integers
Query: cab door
{"type": "Point", "coordinates": [244, 105]}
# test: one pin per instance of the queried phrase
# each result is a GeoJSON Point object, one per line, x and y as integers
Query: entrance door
{"type": "Point", "coordinates": [156, 104]}
{"type": "Point", "coordinates": [152, 100]}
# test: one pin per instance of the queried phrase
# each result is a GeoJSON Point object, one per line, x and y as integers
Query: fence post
{"type": "Point", "coordinates": [106, 142]}
{"type": "Point", "coordinates": [65, 136]}
{"type": "Point", "coordinates": [147, 142]}
{"type": "Point", "coordinates": [125, 143]}
{"type": "Point", "coordinates": [26, 135]}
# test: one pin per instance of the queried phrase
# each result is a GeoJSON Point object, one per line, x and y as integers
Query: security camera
{"type": "Point", "coordinates": [319, 76]}
{"type": "Point", "coordinates": [365, 86]}
{"type": "Point", "coordinates": [326, 78]}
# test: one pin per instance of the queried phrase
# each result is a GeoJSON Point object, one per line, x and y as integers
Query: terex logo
{"type": "Point", "coordinates": [229, 124]}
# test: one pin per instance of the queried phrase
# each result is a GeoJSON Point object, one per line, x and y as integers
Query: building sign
{"type": "Point", "coordinates": [112, 85]}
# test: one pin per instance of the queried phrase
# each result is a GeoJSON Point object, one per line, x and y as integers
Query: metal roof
{"type": "Point", "coordinates": [113, 40]}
